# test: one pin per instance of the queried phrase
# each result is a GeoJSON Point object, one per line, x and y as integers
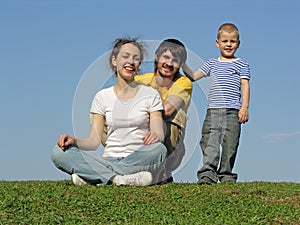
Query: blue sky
{"type": "Point", "coordinates": [49, 48]}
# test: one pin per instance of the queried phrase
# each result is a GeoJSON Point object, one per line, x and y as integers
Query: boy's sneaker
{"type": "Point", "coordinates": [76, 180]}
{"type": "Point", "coordinates": [143, 178]}
{"type": "Point", "coordinates": [205, 180]}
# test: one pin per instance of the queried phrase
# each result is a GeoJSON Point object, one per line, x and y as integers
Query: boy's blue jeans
{"type": "Point", "coordinates": [220, 128]}
{"type": "Point", "coordinates": [102, 170]}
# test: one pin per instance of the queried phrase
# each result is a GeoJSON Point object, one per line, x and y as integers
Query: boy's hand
{"type": "Point", "coordinates": [243, 115]}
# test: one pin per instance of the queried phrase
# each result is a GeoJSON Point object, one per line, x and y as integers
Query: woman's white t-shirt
{"type": "Point", "coordinates": [127, 120]}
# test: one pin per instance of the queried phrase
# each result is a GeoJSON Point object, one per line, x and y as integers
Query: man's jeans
{"type": "Point", "coordinates": [220, 127]}
{"type": "Point", "coordinates": [102, 170]}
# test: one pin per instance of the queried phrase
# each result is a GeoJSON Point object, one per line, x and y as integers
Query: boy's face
{"type": "Point", "coordinates": [168, 65]}
{"type": "Point", "coordinates": [228, 44]}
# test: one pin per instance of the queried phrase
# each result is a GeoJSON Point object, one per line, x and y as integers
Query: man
{"type": "Point", "coordinates": [175, 91]}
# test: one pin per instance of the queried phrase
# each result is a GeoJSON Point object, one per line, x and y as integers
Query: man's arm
{"type": "Point", "coordinates": [171, 104]}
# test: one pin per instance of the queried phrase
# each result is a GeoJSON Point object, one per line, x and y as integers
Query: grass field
{"type": "Point", "coordinates": [59, 202]}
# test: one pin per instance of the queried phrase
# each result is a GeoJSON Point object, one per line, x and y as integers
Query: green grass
{"type": "Point", "coordinates": [59, 202]}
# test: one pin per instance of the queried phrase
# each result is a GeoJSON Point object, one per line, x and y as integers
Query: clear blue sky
{"type": "Point", "coordinates": [46, 47]}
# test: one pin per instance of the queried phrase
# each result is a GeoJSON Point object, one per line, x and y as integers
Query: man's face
{"type": "Point", "coordinates": [168, 65]}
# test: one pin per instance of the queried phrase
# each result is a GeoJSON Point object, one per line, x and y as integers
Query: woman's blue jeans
{"type": "Point", "coordinates": [102, 170]}
{"type": "Point", "coordinates": [220, 128]}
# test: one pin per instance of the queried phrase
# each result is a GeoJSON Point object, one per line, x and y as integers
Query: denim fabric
{"type": "Point", "coordinates": [220, 128]}
{"type": "Point", "coordinates": [73, 160]}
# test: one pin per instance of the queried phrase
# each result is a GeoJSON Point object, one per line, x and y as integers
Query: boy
{"type": "Point", "coordinates": [226, 110]}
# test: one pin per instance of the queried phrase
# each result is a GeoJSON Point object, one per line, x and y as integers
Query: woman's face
{"type": "Point", "coordinates": [127, 61]}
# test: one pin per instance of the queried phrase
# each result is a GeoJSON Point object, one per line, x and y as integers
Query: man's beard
{"type": "Point", "coordinates": [171, 68]}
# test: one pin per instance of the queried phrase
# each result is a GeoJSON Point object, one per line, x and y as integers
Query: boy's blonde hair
{"type": "Point", "coordinates": [228, 27]}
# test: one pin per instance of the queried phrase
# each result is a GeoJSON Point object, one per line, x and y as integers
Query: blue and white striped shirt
{"type": "Point", "coordinates": [225, 82]}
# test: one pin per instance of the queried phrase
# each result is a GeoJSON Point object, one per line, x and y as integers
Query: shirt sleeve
{"type": "Point", "coordinates": [245, 72]}
{"type": "Point", "coordinates": [182, 88]}
{"type": "Point", "coordinates": [205, 68]}
{"type": "Point", "coordinates": [155, 103]}
{"type": "Point", "coordinates": [97, 104]}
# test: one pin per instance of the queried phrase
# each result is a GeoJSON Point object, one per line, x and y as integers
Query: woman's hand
{"type": "Point", "coordinates": [150, 138]}
{"type": "Point", "coordinates": [65, 140]}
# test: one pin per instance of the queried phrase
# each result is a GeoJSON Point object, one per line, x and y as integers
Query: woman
{"type": "Point", "coordinates": [133, 150]}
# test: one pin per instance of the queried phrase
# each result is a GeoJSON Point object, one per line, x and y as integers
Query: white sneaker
{"type": "Point", "coordinates": [78, 181]}
{"type": "Point", "coordinates": [143, 178]}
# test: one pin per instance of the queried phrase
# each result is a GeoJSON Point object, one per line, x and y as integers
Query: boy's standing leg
{"type": "Point", "coordinates": [230, 145]}
{"type": "Point", "coordinates": [221, 127]}
{"type": "Point", "coordinates": [210, 145]}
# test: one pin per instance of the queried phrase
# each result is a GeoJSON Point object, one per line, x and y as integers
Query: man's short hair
{"type": "Point", "coordinates": [176, 47]}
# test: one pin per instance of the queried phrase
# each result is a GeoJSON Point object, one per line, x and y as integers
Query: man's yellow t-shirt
{"type": "Point", "coordinates": [182, 87]}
